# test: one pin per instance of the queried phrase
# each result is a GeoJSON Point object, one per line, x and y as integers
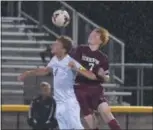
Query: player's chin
{"type": "Point", "coordinates": [53, 52]}
{"type": "Point", "coordinates": [91, 42]}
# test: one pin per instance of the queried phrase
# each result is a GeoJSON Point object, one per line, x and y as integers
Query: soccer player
{"type": "Point", "coordinates": [90, 93]}
{"type": "Point", "coordinates": [63, 66]}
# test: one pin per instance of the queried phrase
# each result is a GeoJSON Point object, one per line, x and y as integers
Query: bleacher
{"type": "Point", "coordinates": [20, 51]}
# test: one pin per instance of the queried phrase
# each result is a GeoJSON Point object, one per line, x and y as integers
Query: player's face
{"type": "Point", "coordinates": [57, 47]}
{"type": "Point", "coordinates": [94, 38]}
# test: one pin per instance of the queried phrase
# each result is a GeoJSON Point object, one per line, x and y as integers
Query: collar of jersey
{"type": "Point", "coordinates": [66, 56]}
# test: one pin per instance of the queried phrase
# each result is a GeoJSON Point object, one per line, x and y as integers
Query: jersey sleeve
{"type": "Point", "coordinates": [50, 64]}
{"type": "Point", "coordinates": [78, 65]}
{"type": "Point", "coordinates": [105, 65]}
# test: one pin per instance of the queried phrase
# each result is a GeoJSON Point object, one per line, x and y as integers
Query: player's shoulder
{"type": "Point", "coordinates": [36, 98]}
{"type": "Point", "coordinates": [54, 58]}
{"type": "Point", "coordinates": [102, 54]}
{"type": "Point", "coordinates": [83, 47]}
{"type": "Point", "coordinates": [69, 58]}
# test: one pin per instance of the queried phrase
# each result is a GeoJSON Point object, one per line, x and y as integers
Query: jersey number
{"type": "Point", "coordinates": [91, 66]}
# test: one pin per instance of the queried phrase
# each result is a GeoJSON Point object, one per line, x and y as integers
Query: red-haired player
{"type": "Point", "coordinates": [90, 92]}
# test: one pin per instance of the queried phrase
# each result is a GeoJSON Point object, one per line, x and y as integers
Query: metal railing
{"type": "Point", "coordinates": [137, 81]}
{"type": "Point", "coordinates": [140, 76]}
{"type": "Point", "coordinates": [78, 29]}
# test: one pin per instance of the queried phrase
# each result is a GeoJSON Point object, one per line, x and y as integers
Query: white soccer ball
{"type": "Point", "coordinates": [61, 18]}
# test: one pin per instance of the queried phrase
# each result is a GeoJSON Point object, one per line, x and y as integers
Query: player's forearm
{"type": "Point", "coordinates": [87, 74]}
{"type": "Point", "coordinates": [37, 72]}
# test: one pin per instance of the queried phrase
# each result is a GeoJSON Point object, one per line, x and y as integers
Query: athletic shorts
{"type": "Point", "coordinates": [89, 97]}
{"type": "Point", "coordinates": [68, 115]}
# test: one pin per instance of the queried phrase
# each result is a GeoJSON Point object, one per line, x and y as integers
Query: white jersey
{"type": "Point", "coordinates": [64, 78]}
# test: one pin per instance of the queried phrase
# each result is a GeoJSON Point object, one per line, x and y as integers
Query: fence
{"type": "Point", "coordinates": [126, 110]}
{"type": "Point", "coordinates": [138, 79]}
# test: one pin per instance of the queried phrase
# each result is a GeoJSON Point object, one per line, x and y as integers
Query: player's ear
{"type": "Point", "coordinates": [65, 51]}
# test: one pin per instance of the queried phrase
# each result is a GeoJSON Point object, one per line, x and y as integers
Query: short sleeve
{"type": "Point", "coordinates": [105, 65]}
{"type": "Point", "coordinates": [78, 65]}
{"type": "Point", "coordinates": [50, 64]}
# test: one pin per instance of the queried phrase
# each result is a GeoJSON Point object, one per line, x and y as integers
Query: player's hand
{"type": "Point", "coordinates": [22, 76]}
{"type": "Point", "coordinates": [101, 72]}
{"type": "Point", "coordinates": [72, 65]}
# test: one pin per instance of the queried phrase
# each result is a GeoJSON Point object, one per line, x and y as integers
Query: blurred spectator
{"type": "Point", "coordinates": [46, 53]}
{"type": "Point", "coordinates": [42, 110]}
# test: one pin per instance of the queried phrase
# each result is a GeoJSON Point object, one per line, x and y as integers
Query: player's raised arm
{"type": "Point", "coordinates": [81, 70]}
{"type": "Point", "coordinates": [38, 71]}
{"type": "Point", "coordinates": [35, 72]}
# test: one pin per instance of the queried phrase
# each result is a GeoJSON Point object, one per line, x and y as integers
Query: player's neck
{"type": "Point", "coordinates": [61, 57]}
{"type": "Point", "coordinates": [94, 47]}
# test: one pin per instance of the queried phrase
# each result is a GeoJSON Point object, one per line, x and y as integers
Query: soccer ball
{"type": "Point", "coordinates": [61, 18]}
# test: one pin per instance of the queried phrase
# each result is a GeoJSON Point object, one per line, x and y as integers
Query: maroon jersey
{"type": "Point", "coordinates": [91, 60]}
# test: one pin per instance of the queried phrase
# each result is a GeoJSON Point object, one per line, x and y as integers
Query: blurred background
{"type": "Point", "coordinates": [27, 32]}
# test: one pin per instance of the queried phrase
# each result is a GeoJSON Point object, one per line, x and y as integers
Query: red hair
{"type": "Point", "coordinates": [104, 35]}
